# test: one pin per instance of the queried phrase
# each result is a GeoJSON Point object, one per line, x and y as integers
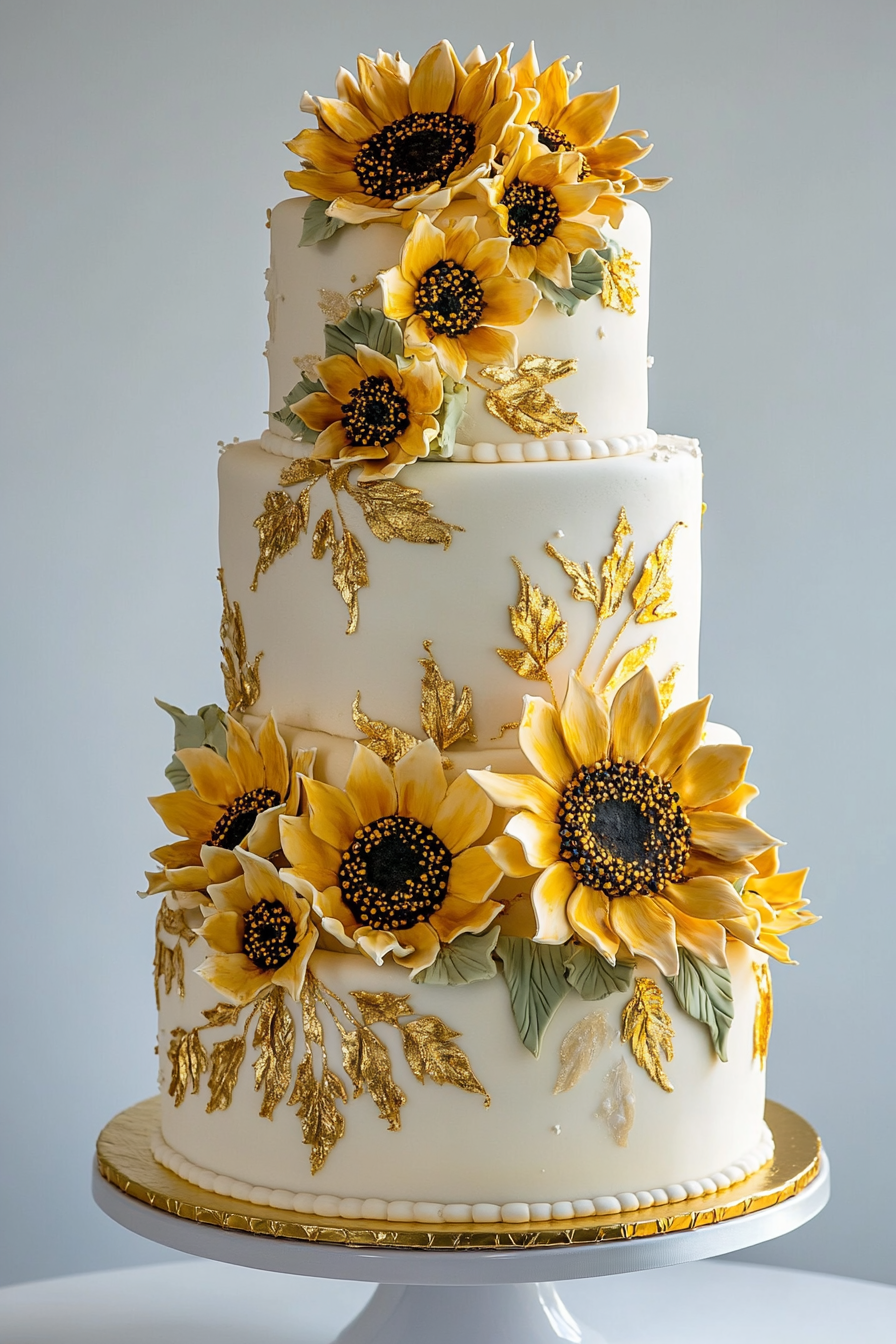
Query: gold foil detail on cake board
{"type": "Point", "coordinates": [647, 1025]}
{"type": "Point", "coordinates": [619, 290]}
{"type": "Point", "coordinates": [538, 625]}
{"type": "Point", "coordinates": [617, 1109]}
{"type": "Point", "coordinates": [579, 1048]}
{"type": "Point", "coordinates": [762, 1022]}
{"type": "Point", "coordinates": [124, 1159]}
{"type": "Point", "coordinates": [242, 684]}
{"type": "Point", "coordinates": [522, 400]}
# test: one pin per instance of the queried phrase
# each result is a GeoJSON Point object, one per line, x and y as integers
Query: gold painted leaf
{"type": "Point", "coordinates": [349, 574]}
{"type": "Point", "coordinates": [444, 718]}
{"type": "Point", "coordinates": [189, 1062]}
{"type": "Point", "coordinates": [333, 305]}
{"type": "Point", "coordinates": [430, 1051]}
{"type": "Point", "coordinates": [654, 588]}
{"type": "Point", "coordinates": [242, 684]}
{"type": "Point", "coordinates": [617, 569]}
{"type": "Point", "coordinates": [390, 744]}
{"type": "Point", "coordinates": [227, 1056]}
{"type": "Point", "coordinates": [579, 1048]}
{"type": "Point", "coordinates": [648, 1026]}
{"type": "Point", "coordinates": [323, 1124]}
{"type": "Point", "coordinates": [619, 290]}
{"type": "Point", "coordinates": [538, 625]}
{"type": "Point", "coordinates": [399, 511]}
{"type": "Point", "coordinates": [666, 687]}
{"type": "Point", "coordinates": [275, 1037]}
{"type": "Point", "coordinates": [302, 469]}
{"type": "Point", "coordinates": [174, 923]}
{"type": "Point", "coordinates": [279, 527]}
{"type": "Point", "coordinates": [311, 1025]}
{"type": "Point", "coordinates": [337, 477]}
{"type": "Point", "coordinates": [382, 1007]}
{"type": "Point", "coordinates": [222, 1015]}
{"type": "Point", "coordinates": [585, 583]}
{"type": "Point", "coordinates": [168, 966]}
{"type": "Point", "coordinates": [762, 1022]}
{"type": "Point", "coordinates": [324, 535]}
{"type": "Point", "coordinates": [631, 663]}
{"type": "Point", "coordinates": [522, 400]}
{"type": "Point", "coordinates": [366, 1061]}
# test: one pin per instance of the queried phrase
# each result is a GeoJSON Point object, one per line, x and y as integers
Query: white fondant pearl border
{"type": "Point", "coordinates": [529, 450]}
{"type": "Point", "coordinates": [406, 1211]}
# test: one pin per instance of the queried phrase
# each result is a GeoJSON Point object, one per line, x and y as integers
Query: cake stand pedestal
{"type": "Point", "coordinates": [457, 1285]}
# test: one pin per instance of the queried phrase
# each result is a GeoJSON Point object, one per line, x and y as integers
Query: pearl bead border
{"type": "Point", "coordinates": [534, 450]}
{"type": "Point", "coordinates": [407, 1211]}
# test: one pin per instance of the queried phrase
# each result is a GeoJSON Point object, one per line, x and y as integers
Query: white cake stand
{"type": "Point", "coordinates": [463, 1293]}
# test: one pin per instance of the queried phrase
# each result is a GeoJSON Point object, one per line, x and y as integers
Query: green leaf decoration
{"type": "Point", "coordinates": [704, 993]}
{"type": "Point", "coordinates": [449, 416]}
{"type": "Point", "coordinates": [318, 225]}
{"type": "Point", "coordinates": [537, 984]}
{"type": "Point", "coordinates": [303, 388]}
{"type": "Point", "coordinates": [467, 959]}
{"type": "Point", "coordinates": [592, 976]}
{"type": "Point", "coordinates": [587, 280]}
{"type": "Point", "coordinates": [207, 728]}
{"type": "Point", "coordinates": [364, 326]}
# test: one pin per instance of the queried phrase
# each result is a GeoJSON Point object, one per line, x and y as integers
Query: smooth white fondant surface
{"type": "Point", "coordinates": [529, 1146]}
{"type": "Point", "coordinates": [609, 391]}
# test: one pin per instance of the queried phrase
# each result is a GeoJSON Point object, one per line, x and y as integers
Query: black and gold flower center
{"type": "Point", "coordinates": [532, 213]}
{"type": "Point", "coordinates": [414, 152]}
{"type": "Point", "coordinates": [235, 824]}
{"type": "Point", "coordinates": [269, 936]}
{"type": "Point", "coordinates": [449, 299]}
{"type": "Point", "coordinates": [395, 873]}
{"type": "Point", "coordinates": [376, 414]}
{"type": "Point", "coordinates": [553, 139]}
{"type": "Point", "coordinates": [622, 829]}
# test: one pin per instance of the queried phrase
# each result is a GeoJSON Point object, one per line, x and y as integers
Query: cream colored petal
{"type": "Point", "coordinates": [552, 261]}
{"type": "Point", "coordinates": [275, 758]}
{"type": "Point", "coordinates": [646, 929]}
{"type": "Point", "coordinates": [432, 83]}
{"type": "Point", "coordinates": [244, 757]}
{"type": "Point", "coordinates": [291, 977]}
{"type": "Point", "coordinates": [264, 836]}
{"type": "Point", "coordinates": [711, 773]}
{"type": "Point", "coordinates": [184, 813]}
{"type": "Point", "coordinates": [335, 915]}
{"type": "Point", "coordinates": [705, 898]}
{"type": "Point", "coordinates": [378, 943]}
{"type": "Point", "coordinates": [456, 916]}
{"type": "Point", "coordinates": [737, 802]}
{"type": "Point", "coordinates": [420, 781]}
{"type": "Point", "coordinates": [210, 775]}
{"type": "Point", "coordinates": [728, 837]}
{"type": "Point", "coordinates": [474, 875]}
{"type": "Point", "coordinates": [491, 345]}
{"type": "Point", "coordinates": [588, 913]}
{"type": "Point", "coordinates": [489, 258]}
{"type": "Point", "coordinates": [340, 375]}
{"type": "Point", "coordinates": [704, 937]}
{"type": "Point", "coordinates": [234, 977]}
{"type": "Point", "coordinates": [509, 856]}
{"type": "Point", "coordinates": [463, 815]}
{"type": "Point", "coordinates": [416, 948]}
{"type": "Point", "coordinates": [550, 893]}
{"type": "Point", "coordinates": [262, 880]}
{"type": "Point", "coordinates": [635, 717]}
{"type": "Point", "coordinates": [333, 819]}
{"type": "Point", "coordinates": [541, 740]}
{"type": "Point", "coordinates": [370, 786]}
{"type": "Point", "coordinates": [508, 302]}
{"type": "Point", "coordinates": [398, 294]}
{"type": "Point", "coordinates": [422, 386]}
{"type": "Point", "coordinates": [680, 735]}
{"type": "Point", "coordinates": [221, 865]}
{"type": "Point", "coordinates": [540, 839]}
{"type": "Point", "coordinates": [310, 856]}
{"type": "Point", "coordinates": [585, 723]}
{"type": "Point", "coordinates": [223, 931]}
{"type": "Point", "coordinates": [424, 248]}
{"type": "Point", "coordinates": [519, 792]}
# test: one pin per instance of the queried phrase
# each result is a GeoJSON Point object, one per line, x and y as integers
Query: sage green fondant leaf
{"type": "Point", "coordinates": [206, 728]}
{"type": "Point", "coordinates": [467, 959]}
{"type": "Point", "coordinates": [704, 993]}
{"type": "Point", "coordinates": [449, 416]}
{"type": "Point", "coordinates": [318, 225]}
{"type": "Point", "coordinates": [587, 280]}
{"type": "Point", "coordinates": [592, 976]}
{"type": "Point", "coordinates": [535, 979]}
{"type": "Point", "coordinates": [303, 388]}
{"type": "Point", "coordinates": [364, 326]}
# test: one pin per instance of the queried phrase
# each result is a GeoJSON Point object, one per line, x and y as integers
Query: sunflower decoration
{"type": "Point", "coordinates": [233, 804]}
{"type": "Point", "coordinates": [618, 823]}
{"type": "Point", "coordinates": [373, 412]}
{"type": "Point", "coordinates": [390, 863]}
{"type": "Point", "coordinates": [775, 904]}
{"type": "Point", "coordinates": [259, 931]}
{"type": "Point", "coordinates": [397, 140]}
{"type": "Point", "coordinates": [451, 290]}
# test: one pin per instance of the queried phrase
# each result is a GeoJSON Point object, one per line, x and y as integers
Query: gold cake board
{"type": "Point", "coordinates": [125, 1159]}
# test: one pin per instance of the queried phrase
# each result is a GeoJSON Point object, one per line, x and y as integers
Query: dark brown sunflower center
{"type": "Point", "coordinates": [555, 140]}
{"type": "Point", "coordinates": [532, 213]}
{"type": "Point", "coordinates": [269, 937]}
{"type": "Point", "coordinates": [449, 299]}
{"type": "Point", "coordinates": [235, 824]}
{"type": "Point", "coordinates": [413, 152]}
{"type": "Point", "coordinates": [395, 873]}
{"type": "Point", "coordinates": [622, 829]}
{"type": "Point", "coordinates": [376, 414]}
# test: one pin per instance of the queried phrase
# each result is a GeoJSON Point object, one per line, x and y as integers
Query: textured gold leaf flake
{"type": "Point", "coordinates": [506, 728]}
{"type": "Point", "coordinates": [366, 1061]}
{"type": "Point", "coordinates": [523, 402]}
{"type": "Point", "coordinates": [189, 1062]}
{"type": "Point", "coordinates": [430, 1051]}
{"type": "Point", "coordinates": [630, 663]}
{"type": "Point", "coordinates": [333, 305]}
{"type": "Point", "coordinates": [222, 1015]}
{"type": "Point", "coordinates": [383, 1007]}
{"type": "Point", "coordinates": [393, 511]}
{"type": "Point", "coordinates": [619, 290]}
{"type": "Point", "coordinates": [762, 1022]}
{"type": "Point", "coordinates": [311, 1026]}
{"type": "Point", "coordinates": [174, 922]}
{"type": "Point", "coordinates": [618, 1105]}
{"type": "Point", "coordinates": [444, 718]}
{"type": "Point", "coordinates": [349, 564]}
{"type": "Point", "coordinates": [242, 684]}
{"type": "Point", "coordinates": [585, 583]}
{"type": "Point", "coordinates": [666, 687]}
{"type": "Point", "coordinates": [302, 469]}
{"type": "Point", "coordinates": [227, 1056]}
{"type": "Point", "coordinates": [390, 744]}
{"type": "Point", "coordinates": [279, 527]}
{"type": "Point", "coordinates": [538, 625]}
{"type": "Point", "coordinates": [168, 963]}
{"type": "Point", "coordinates": [324, 535]}
{"type": "Point", "coordinates": [337, 477]}
{"type": "Point", "coordinates": [648, 1026]}
{"type": "Point", "coordinates": [617, 569]}
{"type": "Point", "coordinates": [654, 588]}
{"type": "Point", "coordinates": [323, 1124]}
{"type": "Point", "coordinates": [307, 364]}
{"type": "Point", "coordinates": [275, 1035]}
{"type": "Point", "coordinates": [579, 1048]}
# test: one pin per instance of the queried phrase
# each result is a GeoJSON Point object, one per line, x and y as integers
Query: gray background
{"type": "Point", "coordinates": [141, 145]}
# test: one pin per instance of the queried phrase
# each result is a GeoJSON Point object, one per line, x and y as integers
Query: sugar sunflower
{"type": "Point", "coordinates": [775, 905]}
{"type": "Point", "coordinates": [260, 933]}
{"type": "Point", "coordinates": [451, 291]}
{"type": "Point", "coordinates": [615, 822]}
{"type": "Point", "coordinates": [398, 140]}
{"type": "Point", "coordinates": [372, 412]}
{"type": "Point", "coordinates": [389, 862]}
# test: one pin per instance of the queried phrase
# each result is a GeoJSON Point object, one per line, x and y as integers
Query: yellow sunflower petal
{"type": "Point", "coordinates": [553, 86]}
{"type": "Point", "coordinates": [398, 294]}
{"type": "Point", "coordinates": [370, 786]}
{"type": "Point", "coordinates": [340, 375]}
{"type": "Point", "coordinates": [422, 386]}
{"type": "Point", "coordinates": [540, 839]}
{"type": "Point", "coordinates": [184, 813]}
{"type": "Point", "coordinates": [221, 865]}
{"type": "Point", "coordinates": [451, 355]}
{"type": "Point", "coordinates": [588, 913]}
{"type": "Point", "coordinates": [519, 793]}
{"type": "Point", "coordinates": [585, 723]}
{"type": "Point", "coordinates": [576, 237]}
{"type": "Point", "coordinates": [291, 976]}
{"type": "Point", "coordinates": [541, 740]}
{"type": "Point", "coordinates": [234, 977]}
{"type": "Point", "coordinates": [274, 756]}
{"type": "Point", "coordinates": [728, 837]}
{"type": "Point", "coordinates": [463, 814]}
{"type": "Point", "coordinates": [711, 773]}
{"type": "Point", "coordinates": [179, 854]}
{"type": "Point", "coordinates": [264, 836]}
{"type": "Point", "coordinates": [416, 948]}
{"type": "Point", "coordinates": [231, 895]}
{"type": "Point", "coordinates": [420, 781]}
{"type": "Point", "coordinates": [635, 717]}
{"type": "Point", "coordinates": [192, 878]}
{"type": "Point", "coordinates": [333, 819]}
{"type": "Point", "coordinates": [223, 931]}
{"type": "Point", "coordinates": [701, 864]}
{"type": "Point", "coordinates": [488, 258]}
{"type": "Point", "coordinates": [552, 261]}
{"type": "Point", "coordinates": [491, 345]}
{"type": "Point", "coordinates": [474, 875]}
{"type": "Point", "coordinates": [704, 937]}
{"type": "Point", "coordinates": [509, 302]}
{"type": "Point", "coordinates": [456, 916]}
{"type": "Point", "coordinates": [766, 864]}
{"type": "Point", "coordinates": [575, 198]}
{"type": "Point", "coordinates": [509, 856]}
{"type": "Point", "coordinates": [460, 238]}
{"type": "Point", "coordinates": [244, 757]}
{"type": "Point", "coordinates": [346, 121]}
{"type": "Point", "coordinates": [211, 776]}
{"type": "Point", "coordinates": [478, 92]}
{"type": "Point", "coordinates": [325, 186]}
{"type": "Point", "coordinates": [424, 248]}
{"type": "Point", "coordinates": [705, 898]}
{"type": "Point", "coordinates": [262, 879]}
{"type": "Point", "coordinates": [378, 943]}
{"type": "Point", "coordinates": [646, 929]}
{"type": "Point", "coordinates": [737, 802]}
{"type": "Point", "coordinates": [386, 93]}
{"type": "Point", "coordinates": [318, 410]}
{"type": "Point", "coordinates": [432, 83]}
{"type": "Point", "coordinates": [780, 890]}
{"type": "Point", "coordinates": [679, 736]}
{"type": "Point", "coordinates": [550, 893]}
{"type": "Point", "coordinates": [521, 261]}
{"type": "Point", "coordinates": [586, 119]}
{"type": "Point", "coordinates": [335, 915]}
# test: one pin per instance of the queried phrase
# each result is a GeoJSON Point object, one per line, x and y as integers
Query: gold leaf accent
{"type": "Point", "coordinates": [648, 1026]}
{"type": "Point", "coordinates": [630, 663]}
{"type": "Point", "coordinates": [382, 1007]}
{"type": "Point", "coordinates": [522, 401]}
{"type": "Point", "coordinates": [390, 744]}
{"type": "Point", "coordinates": [366, 1061]}
{"type": "Point", "coordinates": [227, 1056]}
{"type": "Point", "coordinates": [311, 1026]}
{"type": "Point", "coordinates": [323, 1124]}
{"type": "Point", "coordinates": [617, 569]}
{"type": "Point", "coordinates": [275, 1036]}
{"type": "Point", "coordinates": [430, 1051]}
{"type": "Point", "coordinates": [762, 1022]}
{"type": "Point", "coordinates": [445, 719]}
{"type": "Point", "coordinates": [279, 527]}
{"type": "Point", "coordinates": [189, 1062]}
{"type": "Point", "coordinates": [506, 728]}
{"type": "Point", "coordinates": [242, 684]}
{"type": "Point", "coordinates": [302, 469]}
{"type": "Point", "coordinates": [222, 1015]}
{"type": "Point", "coordinates": [579, 1048]}
{"type": "Point", "coordinates": [666, 687]}
{"type": "Point", "coordinates": [654, 588]}
{"type": "Point", "coordinates": [399, 511]}
{"type": "Point", "coordinates": [619, 290]}
{"type": "Point", "coordinates": [324, 535]}
{"type": "Point", "coordinates": [168, 962]}
{"type": "Point", "coordinates": [538, 625]}
{"type": "Point", "coordinates": [333, 305]}
{"type": "Point", "coordinates": [307, 364]}
{"type": "Point", "coordinates": [349, 564]}
{"type": "Point", "coordinates": [585, 583]}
